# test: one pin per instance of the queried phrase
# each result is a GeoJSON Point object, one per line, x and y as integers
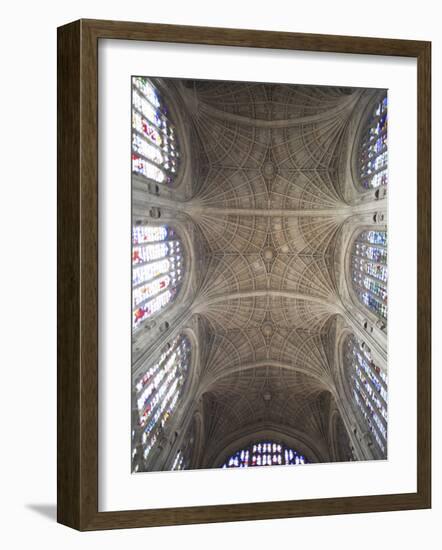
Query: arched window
{"type": "Point", "coordinates": [157, 269]}
{"type": "Point", "coordinates": [369, 388]}
{"type": "Point", "coordinates": [183, 456]}
{"type": "Point", "coordinates": [157, 392]}
{"type": "Point", "coordinates": [180, 461]}
{"type": "Point", "coordinates": [369, 271]}
{"type": "Point", "coordinates": [264, 453]}
{"type": "Point", "coordinates": [155, 150]}
{"type": "Point", "coordinates": [373, 150]}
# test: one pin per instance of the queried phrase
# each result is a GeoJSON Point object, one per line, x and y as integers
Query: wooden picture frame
{"type": "Point", "coordinates": [77, 225]}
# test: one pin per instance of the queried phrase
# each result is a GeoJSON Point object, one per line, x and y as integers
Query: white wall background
{"type": "Point", "coordinates": [28, 276]}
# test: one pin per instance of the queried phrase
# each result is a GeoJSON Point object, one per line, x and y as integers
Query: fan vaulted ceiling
{"type": "Point", "coordinates": [268, 205]}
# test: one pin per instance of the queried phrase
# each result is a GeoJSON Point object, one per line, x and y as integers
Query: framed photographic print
{"type": "Point", "coordinates": [243, 275]}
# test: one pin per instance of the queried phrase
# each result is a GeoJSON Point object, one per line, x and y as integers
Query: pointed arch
{"type": "Point", "coordinates": [156, 393]}
{"type": "Point", "coordinates": [155, 148]}
{"type": "Point", "coordinates": [369, 271]}
{"type": "Point", "coordinates": [367, 383]}
{"type": "Point", "coordinates": [372, 159]}
{"type": "Point", "coordinates": [265, 453]}
{"type": "Point", "coordinates": [157, 270]}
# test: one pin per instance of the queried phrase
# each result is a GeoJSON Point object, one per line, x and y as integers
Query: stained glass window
{"type": "Point", "coordinates": [369, 388]}
{"type": "Point", "coordinates": [179, 462]}
{"type": "Point", "coordinates": [155, 151]}
{"type": "Point", "coordinates": [373, 152]}
{"type": "Point", "coordinates": [157, 392]}
{"type": "Point", "coordinates": [157, 270]}
{"type": "Point", "coordinates": [265, 453]}
{"type": "Point", "coordinates": [370, 272]}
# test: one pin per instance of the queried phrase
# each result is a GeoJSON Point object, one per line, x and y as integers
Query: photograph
{"type": "Point", "coordinates": [227, 215]}
{"type": "Point", "coordinates": [259, 274]}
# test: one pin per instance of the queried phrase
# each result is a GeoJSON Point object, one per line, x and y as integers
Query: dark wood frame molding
{"type": "Point", "coordinates": [77, 226]}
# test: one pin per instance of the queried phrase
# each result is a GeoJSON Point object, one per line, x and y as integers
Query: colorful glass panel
{"type": "Point", "coordinates": [157, 270]}
{"type": "Point", "coordinates": [157, 392]}
{"type": "Point", "coordinates": [370, 271]}
{"type": "Point", "coordinates": [265, 453]}
{"type": "Point", "coordinates": [373, 152]}
{"type": "Point", "coordinates": [155, 149]}
{"type": "Point", "coordinates": [369, 388]}
{"type": "Point", "coordinates": [179, 463]}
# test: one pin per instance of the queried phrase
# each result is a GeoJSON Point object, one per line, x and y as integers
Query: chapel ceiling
{"type": "Point", "coordinates": [263, 396]}
{"type": "Point", "coordinates": [269, 210]}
